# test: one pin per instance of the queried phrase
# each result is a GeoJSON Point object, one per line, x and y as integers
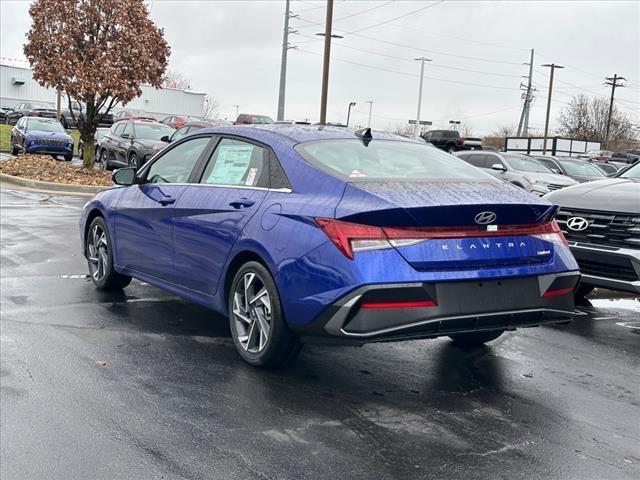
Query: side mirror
{"type": "Point", "coordinates": [165, 139]}
{"type": "Point", "coordinates": [125, 176]}
{"type": "Point", "coordinates": [499, 167]}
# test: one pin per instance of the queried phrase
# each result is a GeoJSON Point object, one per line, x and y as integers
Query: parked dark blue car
{"type": "Point", "coordinates": [41, 135]}
{"type": "Point", "coordinates": [315, 234]}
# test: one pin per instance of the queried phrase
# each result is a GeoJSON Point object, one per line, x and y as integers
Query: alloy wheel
{"type": "Point", "coordinates": [252, 313]}
{"type": "Point", "coordinates": [98, 252]}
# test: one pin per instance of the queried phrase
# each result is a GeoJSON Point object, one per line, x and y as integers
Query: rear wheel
{"type": "Point", "coordinates": [474, 339]}
{"type": "Point", "coordinates": [451, 148]}
{"type": "Point", "coordinates": [14, 150]}
{"type": "Point", "coordinates": [104, 160]}
{"type": "Point", "coordinates": [259, 331]}
{"type": "Point", "coordinates": [100, 258]}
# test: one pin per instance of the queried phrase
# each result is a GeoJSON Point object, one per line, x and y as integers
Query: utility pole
{"type": "Point", "coordinates": [524, 116]}
{"type": "Point", "coordinates": [325, 65]}
{"type": "Point", "coordinates": [283, 61]}
{"type": "Point", "coordinates": [237, 107]}
{"type": "Point", "coordinates": [351, 104]}
{"type": "Point", "coordinates": [370, 102]}
{"type": "Point", "coordinates": [416, 133]}
{"type": "Point", "coordinates": [613, 81]}
{"type": "Point", "coordinates": [553, 66]}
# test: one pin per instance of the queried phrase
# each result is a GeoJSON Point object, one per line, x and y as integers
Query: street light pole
{"type": "Point", "coordinates": [422, 60]}
{"type": "Point", "coordinates": [325, 65]}
{"type": "Point", "coordinates": [553, 66]}
{"type": "Point", "coordinates": [370, 102]}
{"type": "Point", "coordinates": [351, 104]}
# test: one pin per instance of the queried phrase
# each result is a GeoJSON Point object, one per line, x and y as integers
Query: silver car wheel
{"type": "Point", "coordinates": [252, 313]}
{"type": "Point", "coordinates": [98, 254]}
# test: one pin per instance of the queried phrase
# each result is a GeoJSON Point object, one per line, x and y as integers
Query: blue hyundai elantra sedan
{"type": "Point", "coordinates": [324, 234]}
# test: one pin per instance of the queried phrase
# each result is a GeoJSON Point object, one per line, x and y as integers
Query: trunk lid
{"type": "Point", "coordinates": [438, 205]}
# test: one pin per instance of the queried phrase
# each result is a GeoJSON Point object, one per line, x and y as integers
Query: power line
{"type": "Point", "coordinates": [412, 74]}
{"type": "Point", "coordinates": [396, 18]}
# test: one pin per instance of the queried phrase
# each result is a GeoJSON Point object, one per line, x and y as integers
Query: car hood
{"type": "Point", "coordinates": [549, 178]}
{"type": "Point", "coordinates": [52, 135]}
{"type": "Point", "coordinates": [150, 143]}
{"type": "Point", "coordinates": [610, 194]}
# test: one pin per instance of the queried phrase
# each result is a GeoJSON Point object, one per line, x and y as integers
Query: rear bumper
{"type": "Point", "coordinates": [608, 267]}
{"type": "Point", "coordinates": [375, 313]}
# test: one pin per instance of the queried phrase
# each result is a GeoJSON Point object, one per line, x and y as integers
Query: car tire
{"type": "Point", "coordinates": [99, 251]}
{"type": "Point", "coordinates": [451, 148]}
{"type": "Point", "coordinates": [474, 339]}
{"type": "Point", "coordinates": [260, 333]}
{"type": "Point", "coordinates": [104, 160]}
{"type": "Point", "coordinates": [133, 161]}
{"type": "Point", "coordinates": [14, 150]}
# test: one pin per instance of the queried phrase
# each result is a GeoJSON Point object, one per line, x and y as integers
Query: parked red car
{"type": "Point", "coordinates": [175, 121]}
{"type": "Point", "coordinates": [252, 119]}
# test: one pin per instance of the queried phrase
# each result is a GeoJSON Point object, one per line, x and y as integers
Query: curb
{"type": "Point", "coordinates": [50, 186]}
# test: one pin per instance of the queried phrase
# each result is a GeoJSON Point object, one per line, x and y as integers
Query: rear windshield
{"type": "Point", "coordinates": [152, 131]}
{"type": "Point", "coordinates": [386, 159]}
{"type": "Point", "coordinates": [526, 164]}
{"type": "Point", "coordinates": [581, 168]}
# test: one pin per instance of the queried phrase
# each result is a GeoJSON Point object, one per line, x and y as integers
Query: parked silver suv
{"type": "Point", "coordinates": [521, 170]}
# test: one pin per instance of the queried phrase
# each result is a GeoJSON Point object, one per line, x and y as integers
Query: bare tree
{"type": "Point", "coordinates": [585, 118]}
{"type": "Point", "coordinates": [498, 136]}
{"type": "Point", "coordinates": [173, 79]}
{"type": "Point", "coordinates": [211, 107]}
{"type": "Point", "coordinates": [97, 52]}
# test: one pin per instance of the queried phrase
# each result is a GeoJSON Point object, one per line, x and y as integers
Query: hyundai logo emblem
{"type": "Point", "coordinates": [485, 218]}
{"type": "Point", "coordinates": [577, 224]}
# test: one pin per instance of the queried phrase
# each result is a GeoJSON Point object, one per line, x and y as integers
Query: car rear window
{"type": "Point", "coordinates": [386, 159]}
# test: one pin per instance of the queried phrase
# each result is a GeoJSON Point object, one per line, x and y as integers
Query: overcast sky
{"type": "Point", "coordinates": [231, 50]}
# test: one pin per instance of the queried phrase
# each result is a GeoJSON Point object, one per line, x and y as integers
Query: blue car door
{"type": "Point", "coordinates": [144, 213]}
{"type": "Point", "coordinates": [210, 215]}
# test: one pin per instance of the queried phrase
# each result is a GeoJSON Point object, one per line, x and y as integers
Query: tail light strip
{"type": "Point", "coordinates": [350, 237]}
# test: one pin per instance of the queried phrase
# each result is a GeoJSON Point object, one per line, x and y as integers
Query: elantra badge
{"type": "Point", "coordinates": [577, 224]}
{"type": "Point", "coordinates": [485, 218]}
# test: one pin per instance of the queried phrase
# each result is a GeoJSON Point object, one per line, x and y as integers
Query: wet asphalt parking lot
{"type": "Point", "coordinates": [145, 385]}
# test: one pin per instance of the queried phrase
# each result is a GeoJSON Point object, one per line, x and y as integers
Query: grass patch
{"type": "Point", "coordinates": [5, 138]}
{"type": "Point", "coordinates": [47, 169]}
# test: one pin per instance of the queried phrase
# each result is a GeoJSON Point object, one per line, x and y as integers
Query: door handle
{"type": "Point", "coordinates": [242, 203]}
{"type": "Point", "coordinates": [167, 201]}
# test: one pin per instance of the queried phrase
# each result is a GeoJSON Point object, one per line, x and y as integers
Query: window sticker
{"type": "Point", "coordinates": [231, 164]}
{"type": "Point", "coordinates": [251, 177]}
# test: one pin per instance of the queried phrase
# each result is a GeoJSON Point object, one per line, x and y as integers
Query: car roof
{"type": "Point", "coordinates": [302, 133]}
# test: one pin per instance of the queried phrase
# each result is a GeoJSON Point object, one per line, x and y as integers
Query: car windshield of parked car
{"type": "Point", "coordinates": [581, 168]}
{"type": "Point", "coordinates": [524, 164]}
{"type": "Point", "coordinates": [386, 159]}
{"type": "Point", "coordinates": [633, 172]}
{"type": "Point", "coordinates": [40, 105]}
{"type": "Point", "coordinates": [45, 125]}
{"type": "Point", "coordinates": [152, 131]}
{"type": "Point", "coordinates": [262, 119]}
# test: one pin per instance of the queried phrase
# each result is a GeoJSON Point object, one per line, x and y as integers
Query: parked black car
{"type": "Point", "coordinates": [450, 141]}
{"type": "Point", "coordinates": [3, 113]}
{"type": "Point", "coordinates": [71, 121]}
{"type": "Point", "coordinates": [188, 128]}
{"type": "Point", "coordinates": [575, 168]}
{"type": "Point", "coordinates": [601, 221]}
{"type": "Point", "coordinates": [31, 109]}
{"type": "Point", "coordinates": [132, 143]}
{"type": "Point", "coordinates": [97, 139]}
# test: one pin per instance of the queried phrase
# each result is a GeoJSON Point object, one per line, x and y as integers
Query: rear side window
{"type": "Point", "coordinates": [477, 160]}
{"type": "Point", "coordinates": [117, 128]}
{"type": "Point", "coordinates": [385, 160]}
{"type": "Point", "coordinates": [238, 163]}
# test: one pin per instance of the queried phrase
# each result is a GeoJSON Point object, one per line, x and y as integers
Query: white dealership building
{"type": "Point", "coordinates": [17, 85]}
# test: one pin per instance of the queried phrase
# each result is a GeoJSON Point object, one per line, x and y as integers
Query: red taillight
{"type": "Point", "coordinates": [427, 303]}
{"type": "Point", "coordinates": [351, 237]}
{"type": "Point", "coordinates": [553, 293]}
{"type": "Point", "coordinates": [461, 141]}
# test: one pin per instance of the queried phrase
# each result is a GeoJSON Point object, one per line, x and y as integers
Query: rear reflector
{"type": "Point", "coordinates": [561, 291]}
{"type": "Point", "coordinates": [427, 303]}
{"type": "Point", "coordinates": [352, 237]}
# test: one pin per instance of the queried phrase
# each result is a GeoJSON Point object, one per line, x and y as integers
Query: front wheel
{"type": "Point", "coordinates": [259, 331]}
{"type": "Point", "coordinates": [99, 253]}
{"type": "Point", "coordinates": [133, 161]}
{"type": "Point", "coordinates": [68, 158]}
{"type": "Point", "coordinates": [474, 339]}
{"type": "Point", "coordinates": [104, 160]}
{"type": "Point", "coordinates": [14, 150]}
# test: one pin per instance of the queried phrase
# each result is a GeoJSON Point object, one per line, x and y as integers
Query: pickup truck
{"type": "Point", "coordinates": [451, 141]}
